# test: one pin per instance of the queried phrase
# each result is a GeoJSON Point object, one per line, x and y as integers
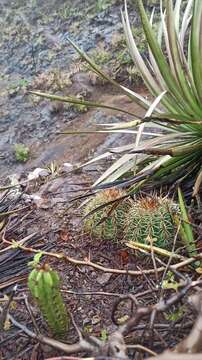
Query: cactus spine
{"type": "Point", "coordinates": [44, 286]}
{"type": "Point", "coordinates": [151, 218]}
{"type": "Point", "coordinates": [108, 222]}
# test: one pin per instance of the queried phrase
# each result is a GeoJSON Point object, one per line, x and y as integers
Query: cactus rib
{"type": "Point", "coordinates": [108, 222]}
{"type": "Point", "coordinates": [44, 286]}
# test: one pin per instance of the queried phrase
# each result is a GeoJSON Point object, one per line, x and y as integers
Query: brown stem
{"type": "Point", "coordinates": [102, 268]}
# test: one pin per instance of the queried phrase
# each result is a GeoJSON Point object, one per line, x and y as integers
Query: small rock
{"type": "Point", "coordinates": [104, 278]}
{"type": "Point", "coordinates": [38, 172]}
{"type": "Point", "coordinates": [55, 185]}
{"type": "Point", "coordinates": [67, 167]}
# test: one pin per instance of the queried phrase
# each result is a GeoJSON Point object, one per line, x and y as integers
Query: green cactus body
{"type": "Point", "coordinates": [151, 219]}
{"type": "Point", "coordinates": [44, 286]}
{"type": "Point", "coordinates": [108, 222]}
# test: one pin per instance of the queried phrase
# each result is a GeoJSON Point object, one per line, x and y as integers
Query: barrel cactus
{"type": "Point", "coordinates": [108, 222]}
{"type": "Point", "coordinates": [44, 283]}
{"type": "Point", "coordinates": [151, 219]}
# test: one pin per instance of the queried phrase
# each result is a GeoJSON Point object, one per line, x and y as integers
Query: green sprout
{"type": "Point", "coordinates": [21, 152]}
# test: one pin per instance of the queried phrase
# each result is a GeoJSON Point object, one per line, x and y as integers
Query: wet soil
{"type": "Point", "coordinates": [35, 54]}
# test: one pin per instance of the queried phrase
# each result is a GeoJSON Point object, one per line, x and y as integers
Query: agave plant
{"type": "Point", "coordinates": [172, 74]}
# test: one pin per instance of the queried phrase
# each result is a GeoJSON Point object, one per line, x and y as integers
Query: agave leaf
{"type": "Point", "coordinates": [121, 125]}
{"type": "Point", "coordinates": [146, 133]}
{"type": "Point", "coordinates": [182, 80]}
{"type": "Point", "coordinates": [160, 29]}
{"type": "Point", "coordinates": [102, 206]}
{"type": "Point", "coordinates": [171, 164]}
{"type": "Point", "coordinates": [149, 80]}
{"type": "Point", "coordinates": [157, 250]}
{"type": "Point", "coordinates": [128, 166]}
{"type": "Point", "coordinates": [171, 117]}
{"type": "Point", "coordinates": [174, 151]}
{"type": "Point", "coordinates": [188, 72]}
{"type": "Point", "coordinates": [185, 22]}
{"type": "Point", "coordinates": [165, 141]}
{"type": "Point", "coordinates": [160, 119]}
{"type": "Point", "coordinates": [197, 184]}
{"type": "Point", "coordinates": [113, 131]}
{"type": "Point", "coordinates": [119, 163]}
{"type": "Point", "coordinates": [137, 58]}
{"type": "Point", "coordinates": [165, 33]}
{"type": "Point", "coordinates": [97, 158]}
{"type": "Point", "coordinates": [187, 227]}
{"type": "Point", "coordinates": [73, 100]}
{"type": "Point", "coordinates": [130, 147]}
{"type": "Point", "coordinates": [177, 14]}
{"type": "Point", "coordinates": [131, 94]}
{"type": "Point", "coordinates": [137, 98]}
{"type": "Point", "coordinates": [168, 48]}
{"type": "Point", "coordinates": [161, 60]}
{"type": "Point", "coordinates": [141, 128]}
{"type": "Point", "coordinates": [153, 63]}
{"type": "Point", "coordinates": [196, 33]}
{"type": "Point", "coordinates": [140, 178]}
{"type": "Point", "coordinates": [154, 104]}
{"type": "Point", "coordinates": [125, 162]}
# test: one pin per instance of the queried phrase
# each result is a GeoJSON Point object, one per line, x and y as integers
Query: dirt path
{"type": "Point", "coordinates": [35, 54]}
{"type": "Point", "coordinates": [29, 58]}
{"type": "Point", "coordinates": [72, 148]}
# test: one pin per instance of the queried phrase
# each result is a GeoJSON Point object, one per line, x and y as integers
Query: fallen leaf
{"type": "Point", "coordinates": [124, 256]}
{"type": "Point", "coordinates": [64, 235]}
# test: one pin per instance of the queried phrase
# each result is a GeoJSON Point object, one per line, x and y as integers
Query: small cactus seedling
{"type": "Point", "coordinates": [44, 283]}
{"type": "Point", "coordinates": [107, 222]}
{"type": "Point", "coordinates": [151, 219]}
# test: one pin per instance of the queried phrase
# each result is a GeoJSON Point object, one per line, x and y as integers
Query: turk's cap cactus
{"type": "Point", "coordinates": [109, 219]}
{"type": "Point", "coordinates": [150, 219]}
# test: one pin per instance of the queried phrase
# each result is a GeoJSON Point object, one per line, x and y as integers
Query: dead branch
{"type": "Point", "coordinates": [5, 310]}
{"type": "Point", "coordinates": [115, 346]}
{"type": "Point", "coordinates": [168, 355]}
{"type": "Point", "coordinates": [66, 258]}
{"type": "Point", "coordinates": [193, 343]}
{"type": "Point", "coordinates": [161, 306]}
{"type": "Point", "coordinates": [141, 347]}
{"type": "Point", "coordinates": [103, 293]}
{"type": "Point", "coordinates": [69, 358]}
{"type": "Point", "coordinates": [191, 347]}
{"type": "Point", "coordinates": [66, 348]}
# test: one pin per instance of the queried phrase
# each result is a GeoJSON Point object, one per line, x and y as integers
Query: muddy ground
{"type": "Point", "coordinates": [35, 54]}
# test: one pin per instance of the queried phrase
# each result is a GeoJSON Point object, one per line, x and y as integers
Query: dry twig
{"type": "Point", "coordinates": [66, 258]}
